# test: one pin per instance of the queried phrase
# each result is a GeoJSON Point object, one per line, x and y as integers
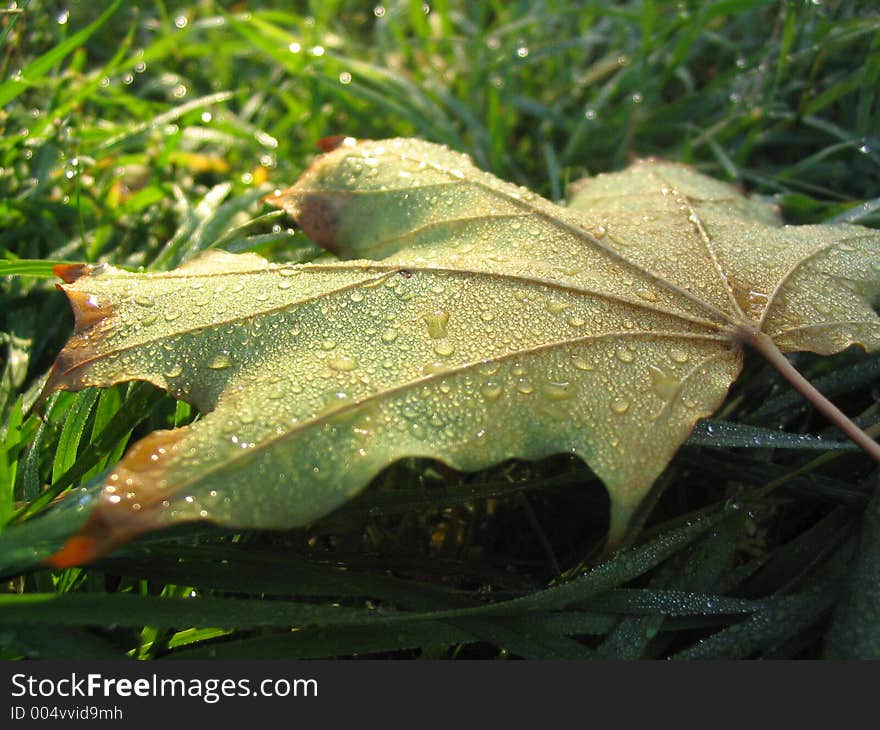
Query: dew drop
{"type": "Point", "coordinates": [342, 363]}
{"type": "Point", "coordinates": [334, 401]}
{"type": "Point", "coordinates": [491, 391]}
{"type": "Point", "coordinates": [646, 294]}
{"type": "Point", "coordinates": [624, 354]}
{"type": "Point", "coordinates": [417, 430]}
{"type": "Point", "coordinates": [525, 387]}
{"type": "Point", "coordinates": [220, 361]}
{"type": "Point", "coordinates": [171, 316]}
{"type": "Point", "coordinates": [144, 301]}
{"type": "Point", "coordinates": [556, 307]}
{"type": "Point", "coordinates": [357, 296]}
{"type": "Point", "coordinates": [665, 384]}
{"type": "Point", "coordinates": [679, 356]}
{"type": "Point", "coordinates": [174, 371]}
{"type": "Point", "coordinates": [620, 406]}
{"type": "Point", "coordinates": [437, 321]}
{"type": "Point", "coordinates": [389, 335]}
{"type": "Point", "coordinates": [558, 391]}
{"type": "Point", "coordinates": [580, 363]}
{"type": "Point", "coordinates": [444, 348]}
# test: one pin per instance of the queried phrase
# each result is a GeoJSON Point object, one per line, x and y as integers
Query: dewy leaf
{"type": "Point", "coordinates": [489, 324]}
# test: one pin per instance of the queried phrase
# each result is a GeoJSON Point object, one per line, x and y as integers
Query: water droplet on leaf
{"type": "Point", "coordinates": [220, 361]}
{"type": "Point", "coordinates": [437, 321]}
{"type": "Point", "coordinates": [342, 363]}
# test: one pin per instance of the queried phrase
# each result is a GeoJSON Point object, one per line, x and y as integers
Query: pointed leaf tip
{"type": "Point", "coordinates": [71, 272]}
{"type": "Point", "coordinates": [88, 309]}
{"type": "Point", "coordinates": [78, 550]}
{"type": "Point", "coordinates": [330, 143]}
{"type": "Point", "coordinates": [317, 214]}
{"type": "Point", "coordinates": [133, 501]}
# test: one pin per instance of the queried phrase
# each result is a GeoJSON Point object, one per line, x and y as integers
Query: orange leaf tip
{"type": "Point", "coordinates": [77, 550]}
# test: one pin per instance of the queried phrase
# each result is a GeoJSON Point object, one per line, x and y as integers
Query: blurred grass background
{"type": "Point", "coordinates": [140, 133]}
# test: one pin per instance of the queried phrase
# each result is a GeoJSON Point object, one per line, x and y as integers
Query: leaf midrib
{"type": "Point", "coordinates": [732, 320]}
{"type": "Point", "coordinates": [583, 235]}
{"type": "Point", "coordinates": [796, 267]}
{"type": "Point", "coordinates": [353, 405]}
{"type": "Point", "coordinates": [386, 270]}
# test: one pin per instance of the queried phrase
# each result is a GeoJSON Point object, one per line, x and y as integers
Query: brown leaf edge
{"type": "Point", "coordinates": [117, 517]}
{"type": "Point", "coordinates": [91, 317]}
{"type": "Point", "coordinates": [316, 213]}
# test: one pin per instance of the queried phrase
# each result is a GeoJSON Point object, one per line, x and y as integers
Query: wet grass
{"type": "Point", "coordinates": [143, 133]}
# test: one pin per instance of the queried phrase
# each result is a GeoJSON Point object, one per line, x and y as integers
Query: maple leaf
{"type": "Point", "coordinates": [480, 322]}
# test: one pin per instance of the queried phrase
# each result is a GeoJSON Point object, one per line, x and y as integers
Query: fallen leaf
{"type": "Point", "coordinates": [480, 322]}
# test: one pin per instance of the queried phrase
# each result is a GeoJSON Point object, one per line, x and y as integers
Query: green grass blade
{"type": "Point", "coordinates": [330, 642]}
{"type": "Point", "coordinates": [39, 268]}
{"type": "Point", "coordinates": [646, 611]}
{"type": "Point", "coordinates": [72, 432]}
{"type": "Point", "coordinates": [260, 572]}
{"type": "Point", "coordinates": [653, 602]}
{"type": "Point", "coordinates": [855, 630]}
{"type": "Point", "coordinates": [840, 382]}
{"type": "Point", "coordinates": [765, 629]}
{"type": "Point", "coordinates": [86, 609]}
{"type": "Point", "coordinates": [36, 70]}
{"type": "Point", "coordinates": [724, 434]}
{"type": "Point", "coordinates": [49, 642]}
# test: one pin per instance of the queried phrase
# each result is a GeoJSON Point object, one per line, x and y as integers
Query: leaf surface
{"type": "Point", "coordinates": [475, 322]}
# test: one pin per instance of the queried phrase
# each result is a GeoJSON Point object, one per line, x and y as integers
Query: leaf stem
{"type": "Point", "coordinates": [765, 345]}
